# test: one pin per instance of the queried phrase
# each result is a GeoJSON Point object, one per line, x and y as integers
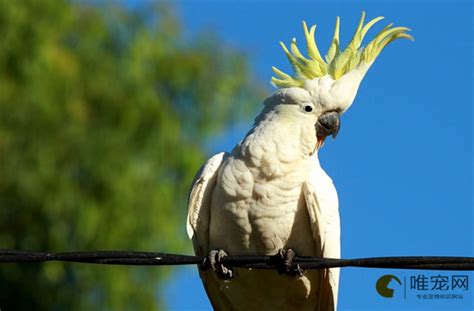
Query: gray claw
{"type": "Point", "coordinates": [287, 256]}
{"type": "Point", "coordinates": [215, 258]}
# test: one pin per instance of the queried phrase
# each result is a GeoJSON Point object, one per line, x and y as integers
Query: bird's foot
{"type": "Point", "coordinates": [214, 261]}
{"type": "Point", "coordinates": [285, 262]}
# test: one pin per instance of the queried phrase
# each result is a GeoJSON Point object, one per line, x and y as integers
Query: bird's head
{"type": "Point", "coordinates": [323, 89]}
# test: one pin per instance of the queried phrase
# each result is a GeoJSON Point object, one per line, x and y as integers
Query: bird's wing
{"type": "Point", "coordinates": [199, 203]}
{"type": "Point", "coordinates": [323, 209]}
{"type": "Point", "coordinates": [198, 224]}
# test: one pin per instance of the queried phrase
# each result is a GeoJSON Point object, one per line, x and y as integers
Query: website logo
{"type": "Point", "coordinates": [383, 283]}
{"type": "Point", "coordinates": [422, 286]}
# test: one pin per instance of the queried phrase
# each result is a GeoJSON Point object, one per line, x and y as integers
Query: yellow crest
{"type": "Point", "coordinates": [336, 63]}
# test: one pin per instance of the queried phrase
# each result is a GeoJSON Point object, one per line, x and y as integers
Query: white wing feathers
{"type": "Point", "coordinates": [323, 209]}
{"type": "Point", "coordinates": [199, 202]}
{"type": "Point", "coordinates": [199, 206]}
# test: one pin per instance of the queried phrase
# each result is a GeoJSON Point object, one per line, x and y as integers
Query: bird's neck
{"type": "Point", "coordinates": [276, 146]}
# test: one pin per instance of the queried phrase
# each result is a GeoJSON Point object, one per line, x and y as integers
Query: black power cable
{"type": "Point", "coordinates": [246, 261]}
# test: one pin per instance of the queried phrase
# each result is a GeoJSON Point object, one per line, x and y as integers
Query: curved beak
{"type": "Point", "coordinates": [328, 124]}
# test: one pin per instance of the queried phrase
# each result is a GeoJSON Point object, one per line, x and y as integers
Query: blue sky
{"type": "Point", "coordinates": [402, 162]}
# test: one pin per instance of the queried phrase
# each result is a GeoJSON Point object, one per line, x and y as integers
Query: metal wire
{"type": "Point", "coordinates": [247, 261]}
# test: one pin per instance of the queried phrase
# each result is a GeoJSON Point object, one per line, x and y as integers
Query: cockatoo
{"type": "Point", "coordinates": [270, 195]}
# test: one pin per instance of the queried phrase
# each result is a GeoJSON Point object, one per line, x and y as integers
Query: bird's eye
{"type": "Point", "coordinates": [308, 108]}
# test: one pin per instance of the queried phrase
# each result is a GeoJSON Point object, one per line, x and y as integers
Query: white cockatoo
{"type": "Point", "coordinates": [270, 195]}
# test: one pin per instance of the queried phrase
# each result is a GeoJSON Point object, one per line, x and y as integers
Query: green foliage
{"type": "Point", "coordinates": [103, 115]}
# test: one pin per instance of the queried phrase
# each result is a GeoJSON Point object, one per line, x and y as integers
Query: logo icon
{"type": "Point", "coordinates": [382, 285]}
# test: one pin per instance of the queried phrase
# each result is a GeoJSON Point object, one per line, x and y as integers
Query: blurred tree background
{"type": "Point", "coordinates": [104, 112]}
